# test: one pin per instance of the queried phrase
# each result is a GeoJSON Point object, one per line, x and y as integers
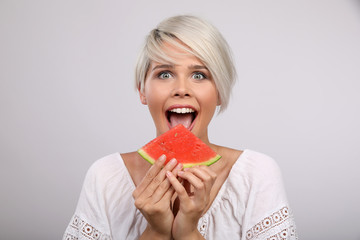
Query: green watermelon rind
{"type": "Point", "coordinates": [151, 160]}
{"type": "Point", "coordinates": [146, 156]}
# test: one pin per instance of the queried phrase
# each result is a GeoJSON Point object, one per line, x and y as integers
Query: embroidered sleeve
{"type": "Point", "coordinates": [90, 221]}
{"type": "Point", "coordinates": [268, 216]}
{"type": "Point", "coordinates": [277, 226]}
{"type": "Point", "coordinates": [79, 229]}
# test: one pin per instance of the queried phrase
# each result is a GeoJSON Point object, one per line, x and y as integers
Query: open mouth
{"type": "Point", "coordinates": [181, 115]}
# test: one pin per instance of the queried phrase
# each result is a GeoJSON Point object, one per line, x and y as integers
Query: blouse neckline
{"type": "Point", "coordinates": [219, 194]}
{"type": "Point", "coordinates": [223, 186]}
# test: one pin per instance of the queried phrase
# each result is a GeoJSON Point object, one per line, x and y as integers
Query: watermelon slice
{"type": "Point", "coordinates": [181, 144]}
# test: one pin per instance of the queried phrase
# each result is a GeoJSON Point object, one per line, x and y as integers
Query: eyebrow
{"type": "Point", "coordinates": [163, 66]}
{"type": "Point", "coordinates": [196, 67]}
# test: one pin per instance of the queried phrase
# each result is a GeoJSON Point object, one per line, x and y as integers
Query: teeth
{"type": "Point", "coordinates": [182, 110]}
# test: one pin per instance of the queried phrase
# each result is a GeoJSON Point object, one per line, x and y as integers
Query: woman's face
{"type": "Point", "coordinates": [180, 93]}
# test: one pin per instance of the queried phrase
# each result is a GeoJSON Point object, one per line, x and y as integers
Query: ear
{"type": "Point", "coordinates": [142, 97]}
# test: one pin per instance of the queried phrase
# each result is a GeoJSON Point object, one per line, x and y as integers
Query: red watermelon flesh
{"type": "Point", "coordinates": [181, 144]}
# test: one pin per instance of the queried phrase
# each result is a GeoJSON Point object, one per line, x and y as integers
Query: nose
{"type": "Point", "coordinates": [181, 88]}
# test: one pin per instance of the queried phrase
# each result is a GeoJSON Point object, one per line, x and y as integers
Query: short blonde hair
{"type": "Point", "coordinates": [205, 42]}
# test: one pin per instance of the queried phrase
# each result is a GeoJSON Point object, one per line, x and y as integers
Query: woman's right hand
{"type": "Point", "coordinates": [153, 199]}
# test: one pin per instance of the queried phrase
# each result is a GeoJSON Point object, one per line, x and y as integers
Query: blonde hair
{"type": "Point", "coordinates": [205, 42]}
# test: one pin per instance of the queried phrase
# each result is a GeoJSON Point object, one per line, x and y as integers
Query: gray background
{"type": "Point", "coordinates": [67, 99]}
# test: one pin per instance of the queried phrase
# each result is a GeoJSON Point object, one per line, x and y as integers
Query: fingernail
{"type": "Point", "coordinates": [181, 173]}
{"type": "Point", "coordinates": [173, 161]}
{"type": "Point", "coordinates": [168, 173]}
{"type": "Point", "coordinates": [162, 158]}
{"type": "Point", "coordinates": [179, 166]}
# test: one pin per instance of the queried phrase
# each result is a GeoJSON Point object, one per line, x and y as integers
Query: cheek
{"type": "Point", "coordinates": [209, 95]}
{"type": "Point", "coordinates": [154, 95]}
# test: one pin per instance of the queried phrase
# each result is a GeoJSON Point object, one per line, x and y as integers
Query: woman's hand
{"type": "Point", "coordinates": [153, 199]}
{"type": "Point", "coordinates": [192, 204]}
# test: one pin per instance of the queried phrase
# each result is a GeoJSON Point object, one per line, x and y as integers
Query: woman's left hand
{"type": "Point", "coordinates": [192, 204]}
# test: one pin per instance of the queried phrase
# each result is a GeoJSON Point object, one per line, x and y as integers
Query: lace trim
{"type": "Point", "coordinates": [285, 234]}
{"type": "Point", "coordinates": [202, 226]}
{"type": "Point", "coordinates": [279, 220]}
{"type": "Point", "coordinates": [79, 229]}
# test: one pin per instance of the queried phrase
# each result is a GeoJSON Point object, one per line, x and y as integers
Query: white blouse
{"type": "Point", "coordinates": [250, 205]}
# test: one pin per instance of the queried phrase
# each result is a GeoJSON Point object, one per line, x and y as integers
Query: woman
{"type": "Point", "coordinates": [183, 74]}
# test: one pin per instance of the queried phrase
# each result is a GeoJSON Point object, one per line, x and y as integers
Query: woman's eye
{"type": "Point", "coordinates": [199, 76]}
{"type": "Point", "coordinates": [164, 75]}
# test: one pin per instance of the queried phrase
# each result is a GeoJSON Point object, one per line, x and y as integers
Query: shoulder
{"type": "Point", "coordinates": [256, 177]}
{"type": "Point", "coordinates": [259, 161]}
{"type": "Point", "coordinates": [257, 166]}
{"type": "Point", "coordinates": [105, 163]}
{"type": "Point", "coordinates": [104, 168]}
